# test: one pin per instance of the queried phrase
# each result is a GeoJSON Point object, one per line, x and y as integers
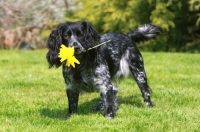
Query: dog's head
{"type": "Point", "coordinates": [80, 35]}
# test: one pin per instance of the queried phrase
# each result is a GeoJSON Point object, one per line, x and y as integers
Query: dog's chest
{"type": "Point", "coordinates": [79, 79]}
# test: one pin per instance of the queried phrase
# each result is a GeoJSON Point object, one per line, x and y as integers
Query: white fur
{"type": "Point", "coordinates": [124, 66]}
{"type": "Point", "coordinates": [102, 78]}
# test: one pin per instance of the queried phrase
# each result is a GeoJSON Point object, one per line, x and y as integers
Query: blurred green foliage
{"type": "Point", "coordinates": [180, 20]}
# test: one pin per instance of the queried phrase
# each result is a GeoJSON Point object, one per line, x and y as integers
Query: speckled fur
{"type": "Point", "coordinates": [118, 58]}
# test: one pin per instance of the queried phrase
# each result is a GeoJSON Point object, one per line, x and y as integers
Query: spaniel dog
{"type": "Point", "coordinates": [118, 58]}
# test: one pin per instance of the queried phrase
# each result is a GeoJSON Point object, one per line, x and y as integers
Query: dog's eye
{"type": "Point", "coordinates": [66, 36]}
{"type": "Point", "coordinates": [80, 36]}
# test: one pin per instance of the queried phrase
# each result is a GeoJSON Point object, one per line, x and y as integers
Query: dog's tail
{"type": "Point", "coordinates": [145, 32]}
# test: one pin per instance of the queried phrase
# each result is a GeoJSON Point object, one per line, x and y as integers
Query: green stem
{"type": "Point", "coordinates": [98, 45]}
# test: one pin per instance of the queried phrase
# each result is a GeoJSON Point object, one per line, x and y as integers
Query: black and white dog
{"type": "Point", "coordinates": [118, 58]}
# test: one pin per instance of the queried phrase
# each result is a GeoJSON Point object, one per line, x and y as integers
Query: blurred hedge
{"type": "Point", "coordinates": [179, 18]}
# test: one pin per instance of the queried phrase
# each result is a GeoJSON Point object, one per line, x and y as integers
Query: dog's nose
{"type": "Point", "coordinates": [75, 44]}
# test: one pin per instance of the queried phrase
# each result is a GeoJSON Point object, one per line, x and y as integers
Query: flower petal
{"type": "Point", "coordinates": [67, 53]}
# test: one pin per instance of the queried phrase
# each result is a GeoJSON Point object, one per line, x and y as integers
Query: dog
{"type": "Point", "coordinates": [118, 58]}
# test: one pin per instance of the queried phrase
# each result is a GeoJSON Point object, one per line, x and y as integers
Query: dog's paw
{"type": "Point", "coordinates": [68, 115]}
{"type": "Point", "coordinates": [109, 116]}
{"type": "Point", "coordinates": [99, 107]}
{"type": "Point", "coordinates": [148, 104]}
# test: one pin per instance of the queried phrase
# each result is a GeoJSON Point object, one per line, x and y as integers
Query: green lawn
{"type": "Point", "coordinates": [32, 97]}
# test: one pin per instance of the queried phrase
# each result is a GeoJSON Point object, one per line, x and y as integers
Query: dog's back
{"type": "Point", "coordinates": [122, 48]}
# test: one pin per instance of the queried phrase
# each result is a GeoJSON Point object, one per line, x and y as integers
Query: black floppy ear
{"type": "Point", "coordinates": [92, 37]}
{"type": "Point", "coordinates": [53, 43]}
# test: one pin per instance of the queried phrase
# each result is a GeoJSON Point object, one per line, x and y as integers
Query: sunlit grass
{"type": "Point", "coordinates": [33, 97]}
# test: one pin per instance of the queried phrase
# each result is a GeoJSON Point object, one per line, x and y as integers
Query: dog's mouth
{"type": "Point", "coordinates": [77, 51]}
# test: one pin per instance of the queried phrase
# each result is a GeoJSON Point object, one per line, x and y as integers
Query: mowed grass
{"type": "Point", "coordinates": [33, 99]}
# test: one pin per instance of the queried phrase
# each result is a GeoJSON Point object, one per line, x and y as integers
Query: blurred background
{"type": "Point", "coordinates": [27, 24]}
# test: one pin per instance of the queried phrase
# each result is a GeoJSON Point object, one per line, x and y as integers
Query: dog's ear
{"type": "Point", "coordinates": [92, 37]}
{"type": "Point", "coordinates": [53, 43]}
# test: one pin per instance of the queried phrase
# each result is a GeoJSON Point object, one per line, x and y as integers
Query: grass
{"type": "Point", "coordinates": [33, 97]}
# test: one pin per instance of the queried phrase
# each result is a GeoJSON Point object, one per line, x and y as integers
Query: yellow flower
{"type": "Point", "coordinates": [67, 53]}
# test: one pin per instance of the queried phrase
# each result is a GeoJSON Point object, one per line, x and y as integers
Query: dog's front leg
{"type": "Point", "coordinates": [72, 101]}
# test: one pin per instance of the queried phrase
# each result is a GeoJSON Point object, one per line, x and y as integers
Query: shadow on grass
{"type": "Point", "coordinates": [134, 100]}
{"type": "Point", "coordinates": [53, 113]}
{"type": "Point", "coordinates": [86, 107]}
{"type": "Point", "coordinates": [83, 109]}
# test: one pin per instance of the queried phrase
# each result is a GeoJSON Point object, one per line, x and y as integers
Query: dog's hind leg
{"type": "Point", "coordinates": [110, 102]}
{"type": "Point", "coordinates": [100, 105]}
{"type": "Point", "coordinates": [109, 97]}
{"type": "Point", "coordinates": [137, 69]}
{"type": "Point", "coordinates": [108, 90]}
{"type": "Point", "coordinates": [72, 102]}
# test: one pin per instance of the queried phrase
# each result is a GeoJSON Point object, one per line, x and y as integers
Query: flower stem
{"type": "Point", "coordinates": [98, 45]}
